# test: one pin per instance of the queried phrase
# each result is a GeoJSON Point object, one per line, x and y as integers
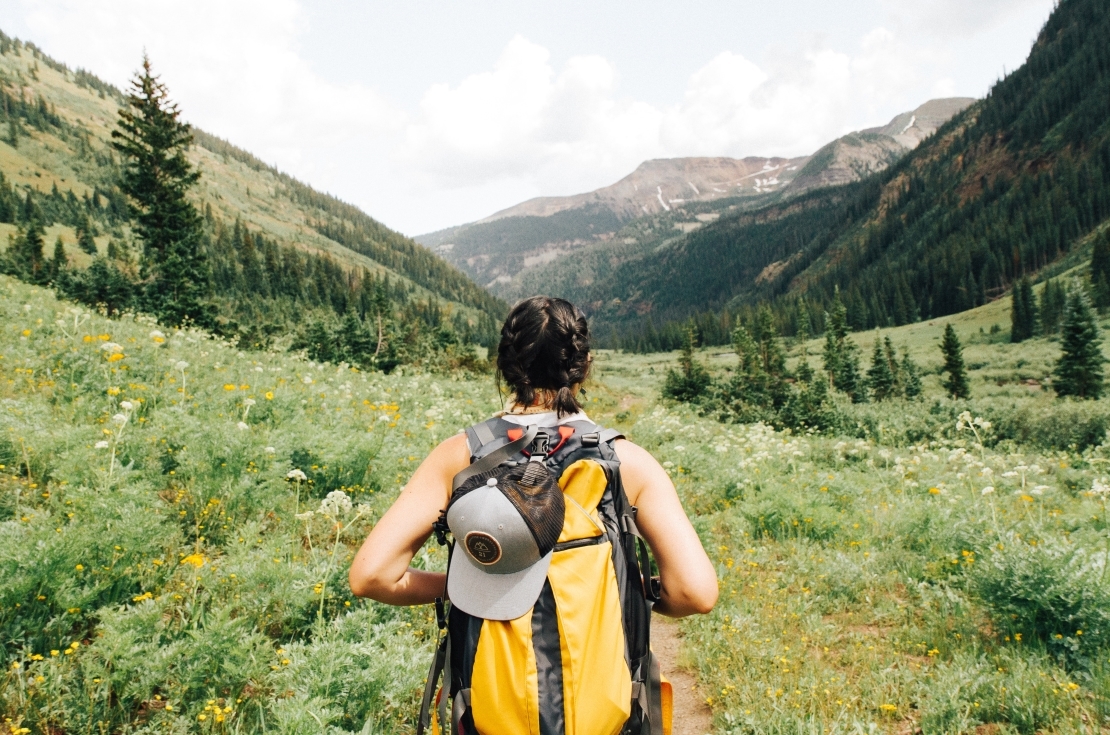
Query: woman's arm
{"type": "Point", "coordinates": [688, 579]}
{"type": "Point", "coordinates": [381, 570]}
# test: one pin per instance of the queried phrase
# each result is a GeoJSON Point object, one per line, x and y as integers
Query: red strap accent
{"type": "Point", "coordinates": [515, 434]}
{"type": "Point", "coordinates": [565, 432]}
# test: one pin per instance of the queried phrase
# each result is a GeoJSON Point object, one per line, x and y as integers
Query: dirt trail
{"type": "Point", "coordinates": [691, 715]}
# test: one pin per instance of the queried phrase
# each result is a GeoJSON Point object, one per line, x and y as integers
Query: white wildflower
{"type": "Point", "coordinates": [307, 380]}
{"type": "Point", "coordinates": [102, 444]}
{"type": "Point", "coordinates": [306, 516]}
{"type": "Point", "coordinates": [680, 448]}
{"type": "Point", "coordinates": [1038, 489]}
{"type": "Point", "coordinates": [180, 365]}
{"type": "Point", "coordinates": [248, 402]}
{"type": "Point", "coordinates": [157, 334]}
{"type": "Point", "coordinates": [335, 504]}
{"type": "Point", "coordinates": [269, 450]}
{"type": "Point", "coordinates": [1100, 487]}
{"type": "Point", "coordinates": [296, 474]}
{"type": "Point", "coordinates": [112, 347]}
{"type": "Point", "coordinates": [126, 405]}
{"type": "Point", "coordinates": [987, 490]}
{"type": "Point", "coordinates": [242, 426]}
{"type": "Point", "coordinates": [120, 418]}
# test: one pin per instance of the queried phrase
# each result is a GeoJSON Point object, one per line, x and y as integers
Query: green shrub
{"type": "Point", "coordinates": [1051, 589]}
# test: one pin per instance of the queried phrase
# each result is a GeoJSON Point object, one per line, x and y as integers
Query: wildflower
{"type": "Point", "coordinates": [229, 386]}
{"type": "Point", "coordinates": [335, 504]}
{"type": "Point", "coordinates": [296, 475]}
{"type": "Point", "coordinates": [306, 516]}
{"type": "Point", "coordinates": [242, 426]}
{"type": "Point", "coordinates": [127, 405]}
{"type": "Point", "coordinates": [197, 560]}
{"type": "Point", "coordinates": [119, 418]}
{"type": "Point", "coordinates": [101, 444]}
{"type": "Point", "coordinates": [307, 380]}
{"type": "Point", "coordinates": [26, 332]}
{"type": "Point", "coordinates": [80, 567]}
{"type": "Point", "coordinates": [113, 391]}
{"type": "Point", "coordinates": [269, 450]}
{"type": "Point", "coordinates": [115, 357]}
{"type": "Point", "coordinates": [1100, 487]}
{"type": "Point", "coordinates": [158, 336]}
{"type": "Point", "coordinates": [269, 395]}
{"type": "Point", "coordinates": [987, 490]}
{"type": "Point", "coordinates": [180, 366]}
{"type": "Point", "coordinates": [888, 707]}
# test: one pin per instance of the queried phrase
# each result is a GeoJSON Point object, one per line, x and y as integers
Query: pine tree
{"type": "Point", "coordinates": [156, 178]}
{"type": "Point", "coordinates": [692, 379]}
{"type": "Point", "coordinates": [911, 377]}
{"type": "Point", "coordinates": [956, 383]}
{"type": "Point", "coordinates": [1079, 369]}
{"type": "Point", "coordinates": [880, 379]}
{"type": "Point", "coordinates": [842, 354]}
{"type": "Point", "coordinates": [58, 264]}
{"type": "Point", "coordinates": [766, 336]}
{"type": "Point", "coordinates": [85, 239]}
{"type": "Point", "coordinates": [1023, 317]}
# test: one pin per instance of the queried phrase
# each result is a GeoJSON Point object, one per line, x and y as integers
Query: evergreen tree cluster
{"type": "Point", "coordinates": [999, 192]}
{"type": "Point", "coordinates": [888, 377]}
{"type": "Point", "coordinates": [187, 267]}
{"type": "Point", "coordinates": [762, 389]}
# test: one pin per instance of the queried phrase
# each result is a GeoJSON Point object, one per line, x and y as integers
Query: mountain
{"type": "Point", "coordinates": [681, 193]}
{"type": "Point", "coordinates": [280, 250]}
{"type": "Point", "coordinates": [1014, 185]}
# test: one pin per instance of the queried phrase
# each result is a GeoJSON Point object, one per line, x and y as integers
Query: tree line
{"type": "Point", "coordinates": [186, 267]}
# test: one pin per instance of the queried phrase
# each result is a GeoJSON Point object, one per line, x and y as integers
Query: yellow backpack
{"type": "Point", "coordinates": [579, 662]}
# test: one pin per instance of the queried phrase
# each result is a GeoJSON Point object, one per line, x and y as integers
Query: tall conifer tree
{"type": "Point", "coordinates": [157, 178]}
{"type": "Point", "coordinates": [1079, 370]}
{"type": "Point", "coordinates": [956, 383]}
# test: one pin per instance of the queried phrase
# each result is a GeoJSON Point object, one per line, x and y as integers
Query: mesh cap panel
{"type": "Point", "coordinates": [534, 492]}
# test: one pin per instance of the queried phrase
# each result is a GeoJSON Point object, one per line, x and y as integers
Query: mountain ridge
{"type": "Point", "coordinates": [235, 185]}
{"type": "Point", "coordinates": [499, 249]}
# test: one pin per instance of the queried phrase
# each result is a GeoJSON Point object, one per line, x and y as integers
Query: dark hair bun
{"type": "Point", "coordinates": [545, 345]}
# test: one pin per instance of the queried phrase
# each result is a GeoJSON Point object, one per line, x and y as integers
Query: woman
{"type": "Point", "coordinates": [544, 358]}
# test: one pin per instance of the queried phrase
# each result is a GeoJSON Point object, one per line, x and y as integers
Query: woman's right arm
{"type": "Point", "coordinates": [381, 569]}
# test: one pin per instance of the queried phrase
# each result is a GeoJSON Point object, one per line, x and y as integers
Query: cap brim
{"type": "Point", "coordinates": [476, 591]}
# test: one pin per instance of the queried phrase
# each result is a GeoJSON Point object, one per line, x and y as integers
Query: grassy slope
{"type": "Point", "coordinates": [185, 577]}
{"type": "Point", "coordinates": [257, 194]}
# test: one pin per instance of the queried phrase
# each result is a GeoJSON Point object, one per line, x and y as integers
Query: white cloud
{"type": "Point", "coordinates": [522, 127]}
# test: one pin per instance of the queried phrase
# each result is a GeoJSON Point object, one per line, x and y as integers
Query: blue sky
{"type": "Point", "coordinates": [433, 113]}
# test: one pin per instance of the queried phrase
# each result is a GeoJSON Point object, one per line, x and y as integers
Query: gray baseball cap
{"type": "Point", "coordinates": [505, 531]}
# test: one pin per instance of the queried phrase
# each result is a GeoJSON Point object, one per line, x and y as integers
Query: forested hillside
{"type": "Point", "coordinates": [282, 258]}
{"type": "Point", "coordinates": [1005, 189]}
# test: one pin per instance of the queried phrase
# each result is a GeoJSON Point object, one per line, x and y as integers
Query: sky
{"type": "Point", "coordinates": [432, 113]}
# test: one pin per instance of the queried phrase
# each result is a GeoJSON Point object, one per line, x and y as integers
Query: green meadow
{"type": "Point", "coordinates": [177, 517]}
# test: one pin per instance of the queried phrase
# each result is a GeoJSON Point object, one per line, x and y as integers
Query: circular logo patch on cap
{"type": "Point", "coordinates": [482, 547]}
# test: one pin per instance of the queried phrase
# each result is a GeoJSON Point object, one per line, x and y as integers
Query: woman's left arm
{"type": "Point", "coordinates": [381, 569]}
{"type": "Point", "coordinates": [689, 581]}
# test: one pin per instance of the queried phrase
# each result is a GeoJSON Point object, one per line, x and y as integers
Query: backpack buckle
{"type": "Point", "coordinates": [441, 529]}
{"type": "Point", "coordinates": [592, 439]}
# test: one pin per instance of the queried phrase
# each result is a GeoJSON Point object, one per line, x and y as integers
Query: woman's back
{"type": "Point", "coordinates": [550, 596]}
